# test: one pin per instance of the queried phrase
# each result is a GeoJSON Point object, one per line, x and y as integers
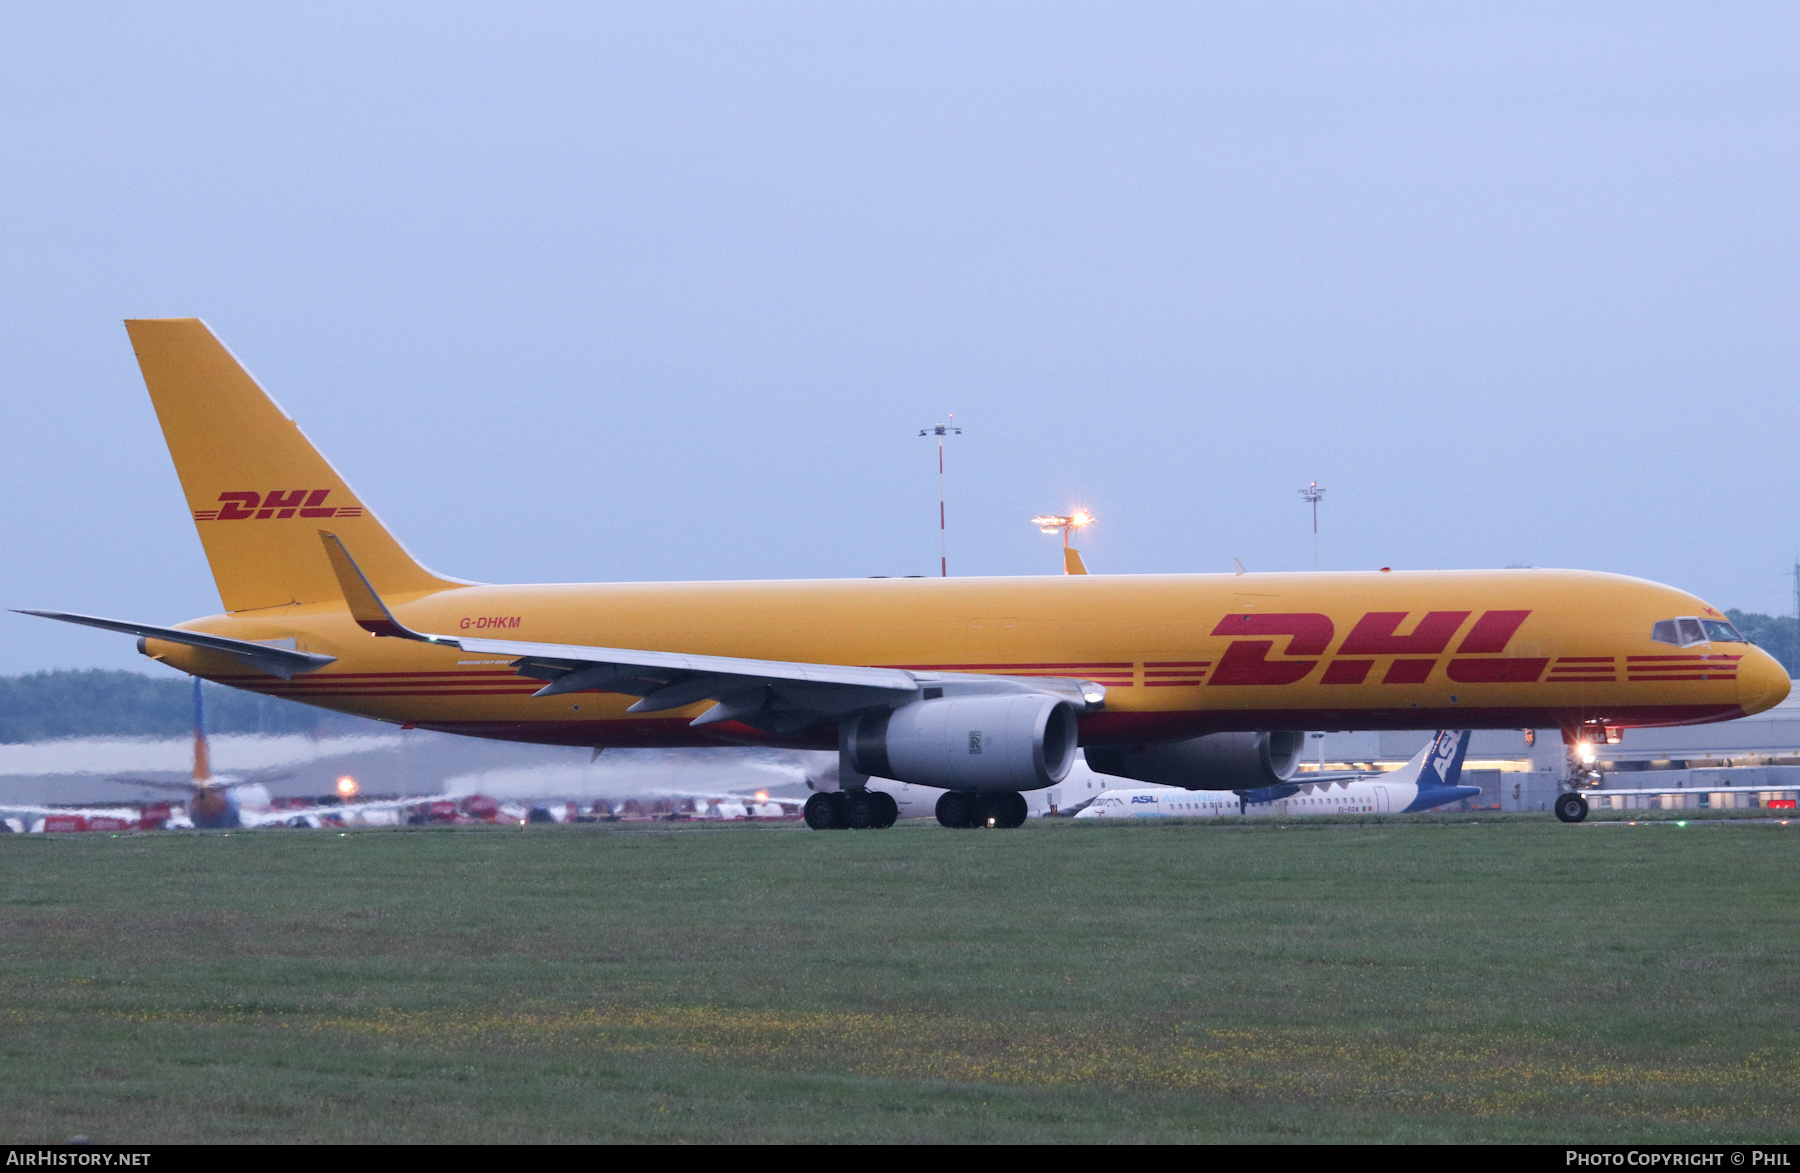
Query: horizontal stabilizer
{"type": "Point", "coordinates": [283, 662]}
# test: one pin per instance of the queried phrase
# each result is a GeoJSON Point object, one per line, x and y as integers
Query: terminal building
{"type": "Point", "coordinates": [1750, 762]}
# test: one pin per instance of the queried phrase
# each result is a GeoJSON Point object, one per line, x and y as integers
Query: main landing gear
{"type": "Point", "coordinates": [1571, 808]}
{"type": "Point", "coordinates": [959, 808]}
{"type": "Point", "coordinates": [842, 810]}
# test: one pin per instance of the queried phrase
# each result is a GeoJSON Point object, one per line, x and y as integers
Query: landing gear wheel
{"type": "Point", "coordinates": [863, 809]}
{"type": "Point", "coordinates": [1571, 808]}
{"type": "Point", "coordinates": [1006, 810]}
{"type": "Point", "coordinates": [825, 812]}
{"type": "Point", "coordinates": [956, 809]}
{"type": "Point", "coordinates": [890, 810]}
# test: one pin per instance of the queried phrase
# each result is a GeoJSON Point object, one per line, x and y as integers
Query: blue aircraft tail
{"type": "Point", "coordinates": [1441, 774]}
{"type": "Point", "coordinates": [1443, 765]}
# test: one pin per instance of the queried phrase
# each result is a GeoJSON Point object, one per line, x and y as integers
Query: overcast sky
{"type": "Point", "coordinates": [599, 292]}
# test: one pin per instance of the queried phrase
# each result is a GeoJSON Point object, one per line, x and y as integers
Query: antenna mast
{"type": "Point", "coordinates": [940, 431]}
{"type": "Point", "coordinates": [1312, 494]}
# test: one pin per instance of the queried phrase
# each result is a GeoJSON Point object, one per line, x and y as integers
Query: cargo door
{"type": "Point", "coordinates": [1381, 800]}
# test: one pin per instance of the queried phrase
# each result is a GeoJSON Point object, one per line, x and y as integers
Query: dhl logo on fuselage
{"type": "Point", "coordinates": [243, 505]}
{"type": "Point", "coordinates": [1476, 660]}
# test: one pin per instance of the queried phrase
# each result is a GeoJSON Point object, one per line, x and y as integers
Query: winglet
{"type": "Point", "coordinates": [1072, 563]}
{"type": "Point", "coordinates": [366, 607]}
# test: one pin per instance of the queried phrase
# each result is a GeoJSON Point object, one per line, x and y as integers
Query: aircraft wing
{"type": "Point", "coordinates": [277, 661]}
{"type": "Point", "coordinates": [182, 787]}
{"type": "Point", "coordinates": [87, 812]}
{"type": "Point", "coordinates": [214, 784]}
{"type": "Point", "coordinates": [777, 696]}
{"type": "Point", "coordinates": [1335, 775]}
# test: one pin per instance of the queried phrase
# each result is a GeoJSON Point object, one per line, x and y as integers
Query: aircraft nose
{"type": "Point", "coordinates": [1762, 682]}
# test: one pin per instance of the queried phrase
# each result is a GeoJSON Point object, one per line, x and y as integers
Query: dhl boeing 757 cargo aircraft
{"type": "Point", "coordinates": [984, 687]}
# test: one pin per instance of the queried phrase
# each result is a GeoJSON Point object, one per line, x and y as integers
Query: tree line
{"type": "Point", "coordinates": [99, 702]}
{"type": "Point", "coordinates": [1778, 635]}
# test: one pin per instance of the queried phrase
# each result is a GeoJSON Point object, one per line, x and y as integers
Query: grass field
{"type": "Point", "coordinates": [1431, 980]}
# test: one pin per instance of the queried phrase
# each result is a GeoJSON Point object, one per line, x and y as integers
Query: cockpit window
{"type": "Point", "coordinates": [1689, 630]}
{"type": "Point", "coordinates": [1722, 632]}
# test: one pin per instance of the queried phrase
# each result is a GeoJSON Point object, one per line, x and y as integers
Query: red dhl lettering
{"type": "Point", "coordinates": [245, 505]}
{"type": "Point", "coordinates": [1247, 661]}
{"type": "Point", "coordinates": [482, 622]}
{"type": "Point", "coordinates": [1374, 635]}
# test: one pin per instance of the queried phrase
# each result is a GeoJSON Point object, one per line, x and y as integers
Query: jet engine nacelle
{"type": "Point", "coordinates": [1216, 761]}
{"type": "Point", "coordinates": [1013, 741]}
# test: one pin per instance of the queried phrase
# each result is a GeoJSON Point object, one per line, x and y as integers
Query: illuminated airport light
{"type": "Point", "coordinates": [1057, 523]}
{"type": "Point", "coordinates": [346, 787]}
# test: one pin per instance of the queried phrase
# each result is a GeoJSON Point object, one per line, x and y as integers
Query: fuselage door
{"type": "Point", "coordinates": [1381, 800]}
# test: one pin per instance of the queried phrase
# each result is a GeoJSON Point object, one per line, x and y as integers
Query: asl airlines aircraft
{"type": "Point", "coordinates": [983, 687]}
{"type": "Point", "coordinates": [1429, 780]}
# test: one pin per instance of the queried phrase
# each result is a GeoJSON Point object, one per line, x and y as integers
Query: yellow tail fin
{"type": "Point", "coordinates": [257, 488]}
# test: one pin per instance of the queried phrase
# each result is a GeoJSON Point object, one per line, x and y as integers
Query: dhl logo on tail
{"type": "Point", "coordinates": [243, 505]}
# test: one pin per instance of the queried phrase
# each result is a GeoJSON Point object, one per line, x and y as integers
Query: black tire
{"type": "Point", "coordinates": [825, 812]}
{"type": "Point", "coordinates": [956, 809]}
{"type": "Point", "coordinates": [1006, 809]}
{"type": "Point", "coordinates": [862, 810]}
{"type": "Point", "coordinates": [1571, 808]}
{"type": "Point", "coordinates": [890, 810]}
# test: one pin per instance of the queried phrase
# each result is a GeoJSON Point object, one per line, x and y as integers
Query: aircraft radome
{"type": "Point", "coordinates": [981, 686]}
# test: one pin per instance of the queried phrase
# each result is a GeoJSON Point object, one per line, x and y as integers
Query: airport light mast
{"type": "Point", "coordinates": [1054, 523]}
{"type": "Point", "coordinates": [1312, 494]}
{"type": "Point", "coordinates": [940, 431]}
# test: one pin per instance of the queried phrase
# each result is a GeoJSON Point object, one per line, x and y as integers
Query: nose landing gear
{"type": "Point", "coordinates": [959, 808]}
{"type": "Point", "coordinates": [1571, 808]}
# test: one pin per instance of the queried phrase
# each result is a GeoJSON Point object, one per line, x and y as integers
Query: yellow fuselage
{"type": "Point", "coordinates": [1180, 655]}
